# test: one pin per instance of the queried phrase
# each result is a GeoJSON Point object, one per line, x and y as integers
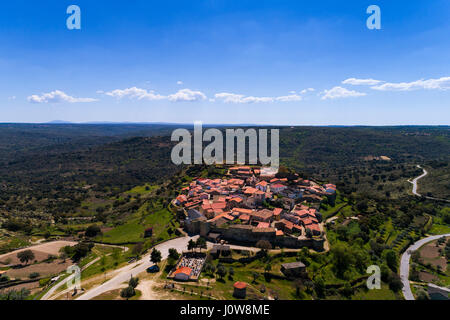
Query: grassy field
{"type": "Point", "coordinates": [115, 259]}
{"type": "Point", "coordinates": [327, 210]}
{"type": "Point", "coordinates": [132, 231]}
{"type": "Point", "coordinates": [439, 226]}
{"type": "Point", "coordinates": [8, 244]}
{"type": "Point", "coordinates": [142, 190]}
{"type": "Point", "coordinates": [383, 294]}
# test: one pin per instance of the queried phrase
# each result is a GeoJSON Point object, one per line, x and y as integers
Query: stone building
{"type": "Point", "coordinates": [294, 269]}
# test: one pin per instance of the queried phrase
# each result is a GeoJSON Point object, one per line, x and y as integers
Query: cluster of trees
{"type": "Point", "coordinates": [130, 291]}
{"type": "Point", "coordinates": [199, 244]}
{"type": "Point", "coordinates": [77, 252]}
{"type": "Point", "coordinates": [108, 168]}
{"type": "Point", "coordinates": [173, 257]}
{"type": "Point", "coordinates": [155, 256]}
{"type": "Point", "coordinates": [15, 225]}
{"type": "Point", "coordinates": [25, 256]}
{"type": "Point", "coordinates": [345, 258]}
{"type": "Point", "coordinates": [17, 295]}
{"type": "Point", "coordinates": [93, 231]}
{"type": "Point", "coordinates": [219, 270]}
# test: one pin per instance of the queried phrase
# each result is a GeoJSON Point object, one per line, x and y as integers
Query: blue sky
{"type": "Point", "coordinates": [226, 61]}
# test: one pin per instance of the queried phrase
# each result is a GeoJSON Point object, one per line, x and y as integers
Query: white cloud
{"type": "Point", "coordinates": [187, 95]}
{"type": "Point", "coordinates": [430, 84]}
{"type": "Point", "coordinates": [289, 98]}
{"type": "Point", "coordinates": [304, 91]}
{"type": "Point", "coordinates": [179, 83]}
{"type": "Point", "coordinates": [143, 94]}
{"type": "Point", "coordinates": [135, 93]}
{"type": "Point", "coordinates": [58, 97]}
{"type": "Point", "coordinates": [362, 82]}
{"type": "Point", "coordinates": [339, 92]}
{"type": "Point", "coordinates": [240, 98]}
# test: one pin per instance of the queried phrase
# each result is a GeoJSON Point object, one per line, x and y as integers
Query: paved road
{"type": "Point", "coordinates": [64, 281]}
{"type": "Point", "coordinates": [136, 268]}
{"type": "Point", "coordinates": [414, 183]}
{"type": "Point", "coordinates": [69, 278]}
{"type": "Point", "coordinates": [404, 264]}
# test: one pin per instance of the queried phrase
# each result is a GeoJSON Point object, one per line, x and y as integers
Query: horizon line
{"type": "Point", "coordinates": [58, 122]}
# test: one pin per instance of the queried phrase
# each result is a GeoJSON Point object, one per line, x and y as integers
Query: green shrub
{"type": "Point", "coordinates": [44, 282]}
{"type": "Point", "coordinates": [128, 292]}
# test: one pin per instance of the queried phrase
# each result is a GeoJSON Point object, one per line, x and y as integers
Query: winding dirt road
{"type": "Point", "coordinates": [406, 257]}
{"type": "Point", "coordinates": [415, 187]}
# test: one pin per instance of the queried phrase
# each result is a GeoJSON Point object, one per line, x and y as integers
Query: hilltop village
{"type": "Point", "coordinates": [251, 204]}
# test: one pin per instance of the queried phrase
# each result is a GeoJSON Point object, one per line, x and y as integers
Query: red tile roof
{"type": "Point", "coordinates": [240, 285]}
{"type": "Point", "coordinates": [244, 217]}
{"type": "Point", "coordinates": [242, 210]}
{"type": "Point", "coordinates": [287, 224]}
{"type": "Point", "coordinates": [314, 227]}
{"type": "Point", "coordinates": [263, 225]}
{"type": "Point", "coordinates": [250, 190]}
{"type": "Point", "coordinates": [263, 214]}
{"type": "Point", "coordinates": [277, 211]}
{"type": "Point", "coordinates": [228, 217]}
{"type": "Point", "coordinates": [219, 205]}
{"type": "Point", "coordinates": [184, 270]}
{"type": "Point", "coordinates": [309, 221]}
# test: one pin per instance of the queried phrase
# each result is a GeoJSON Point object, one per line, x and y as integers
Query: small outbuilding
{"type": "Point", "coordinates": [240, 290]}
{"type": "Point", "coordinates": [214, 237]}
{"type": "Point", "coordinates": [183, 274]}
{"type": "Point", "coordinates": [294, 269]}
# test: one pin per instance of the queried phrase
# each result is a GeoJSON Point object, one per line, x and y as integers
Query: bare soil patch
{"type": "Point", "coordinates": [429, 251]}
{"type": "Point", "coordinates": [41, 251]}
{"type": "Point", "coordinates": [427, 277]}
{"type": "Point", "coordinates": [32, 286]}
{"type": "Point", "coordinates": [44, 269]}
{"type": "Point", "coordinates": [430, 254]}
{"type": "Point", "coordinates": [109, 295]}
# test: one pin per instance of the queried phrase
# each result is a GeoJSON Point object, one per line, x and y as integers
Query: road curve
{"type": "Point", "coordinates": [69, 278]}
{"type": "Point", "coordinates": [404, 264]}
{"type": "Point", "coordinates": [414, 182]}
{"type": "Point", "coordinates": [65, 281]}
{"type": "Point", "coordinates": [136, 268]}
{"type": "Point", "coordinates": [414, 189]}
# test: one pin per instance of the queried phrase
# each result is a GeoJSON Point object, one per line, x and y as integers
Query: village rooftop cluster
{"type": "Point", "coordinates": [253, 201]}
